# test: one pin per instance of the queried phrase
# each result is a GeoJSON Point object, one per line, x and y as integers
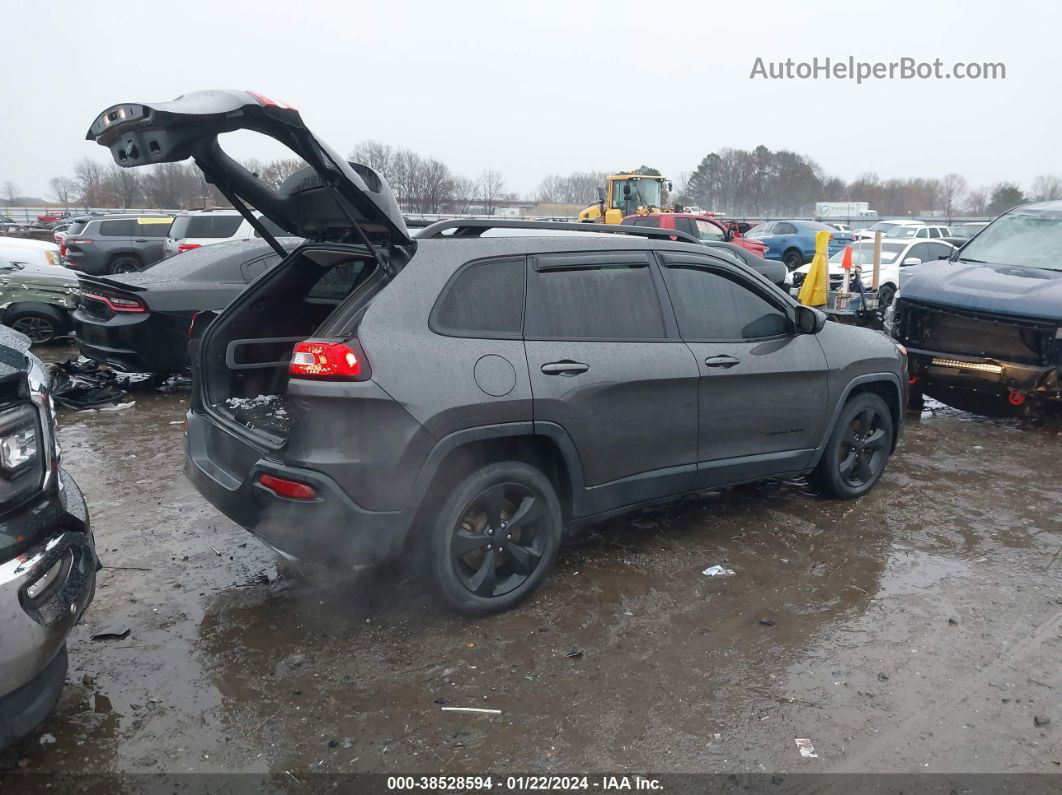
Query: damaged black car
{"type": "Point", "coordinates": [985, 328]}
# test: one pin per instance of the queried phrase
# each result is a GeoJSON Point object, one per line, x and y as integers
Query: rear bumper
{"type": "Point", "coordinates": [35, 627]}
{"type": "Point", "coordinates": [983, 374]}
{"type": "Point", "coordinates": [139, 343]}
{"type": "Point", "coordinates": [331, 529]}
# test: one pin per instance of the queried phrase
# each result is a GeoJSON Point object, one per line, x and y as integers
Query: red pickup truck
{"type": "Point", "coordinates": [702, 227]}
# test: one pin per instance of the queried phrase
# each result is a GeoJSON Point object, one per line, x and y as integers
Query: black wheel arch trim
{"type": "Point", "coordinates": [860, 380]}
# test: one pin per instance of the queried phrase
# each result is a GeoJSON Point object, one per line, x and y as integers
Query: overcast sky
{"type": "Point", "coordinates": [533, 88]}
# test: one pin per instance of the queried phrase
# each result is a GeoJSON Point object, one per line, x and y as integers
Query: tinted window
{"type": "Point", "coordinates": [255, 268]}
{"type": "Point", "coordinates": [76, 228]}
{"type": "Point", "coordinates": [919, 251]}
{"type": "Point", "coordinates": [939, 251]}
{"type": "Point", "coordinates": [782, 228]}
{"type": "Point", "coordinates": [205, 226]}
{"type": "Point", "coordinates": [150, 228]}
{"type": "Point", "coordinates": [124, 228]}
{"type": "Point", "coordinates": [613, 300]}
{"type": "Point", "coordinates": [685, 225]}
{"type": "Point", "coordinates": [337, 282]}
{"type": "Point", "coordinates": [710, 306]}
{"type": "Point", "coordinates": [485, 299]}
{"type": "Point", "coordinates": [648, 220]}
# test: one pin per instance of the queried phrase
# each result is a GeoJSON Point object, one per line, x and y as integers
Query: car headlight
{"type": "Point", "coordinates": [21, 459]}
{"type": "Point", "coordinates": [52, 256]}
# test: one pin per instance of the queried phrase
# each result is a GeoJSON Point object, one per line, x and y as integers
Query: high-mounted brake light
{"type": "Point", "coordinates": [116, 302]}
{"type": "Point", "coordinates": [292, 489]}
{"type": "Point", "coordinates": [183, 247]}
{"type": "Point", "coordinates": [329, 360]}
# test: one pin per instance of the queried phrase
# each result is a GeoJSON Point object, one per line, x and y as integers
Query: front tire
{"type": "Point", "coordinates": [858, 449]}
{"type": "Point", "coordinates": [40, 325]}
{"type": "Point", "coordinates": [125, 265]}
{"type": "Point", "coordinates": [495, 538]}
{"type": "Point", "coordinates": [886, 293]}
{"type": "Point", "coordinates": [793, 259]}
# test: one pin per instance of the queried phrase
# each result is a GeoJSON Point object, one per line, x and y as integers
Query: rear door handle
{"type": "Point", "coordinates": [565, 367]}
{"type": "Point", "coordinates": [140, 240]}
{"type": "Point", "coordinates": [721, 361]}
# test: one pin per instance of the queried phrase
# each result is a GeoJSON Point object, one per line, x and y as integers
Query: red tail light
{"type": "Point", "coordinates": [291, 489]}
{"type": "Point", "coordinates": [117, 302]}
{"type": "Point", "coordinates": [62, 250]}
{"type": "Point", "coordinates": [182, 247]}
{"type": "Point", "coordinates": [266, 102]}
{"type": "Point", "coordinates": [336, 361]}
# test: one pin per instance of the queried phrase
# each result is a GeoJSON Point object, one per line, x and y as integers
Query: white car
{"type": "Point", "coordinates": [884, 227]}
{"type": "Point", "coordinates": [206, 227]}
{"type": "Point", "coordinates": [895, 255]}
{"type": "Point", "coordinates": [924, 232]}
{"type": "Point", "coordinates": [33, 254]}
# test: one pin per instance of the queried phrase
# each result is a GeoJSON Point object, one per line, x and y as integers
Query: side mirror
{"type": "Point", "coordinates": [626, 189]}
{"type": "Point", "coordinates": [600, 194]}
{"type": "Point", "coordinates": [809, 321]}
{"type": "Point", "coordinates": [670, 187]}
{"type": "Point", "coordinates": [912, 261]}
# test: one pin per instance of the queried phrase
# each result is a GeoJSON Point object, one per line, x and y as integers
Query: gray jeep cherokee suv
{"type": "Point", "coordinates": [465, 397]}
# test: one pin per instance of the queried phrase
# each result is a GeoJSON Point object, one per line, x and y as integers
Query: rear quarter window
{"type": "Point", "coordinates": [484, 299]}
{"type": "Point", "coordinates": [207, 226]}
{"type": "Point", "coordinates": [124, 228]}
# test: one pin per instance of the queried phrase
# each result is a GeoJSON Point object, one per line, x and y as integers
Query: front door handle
{"type": "Point", "coordinates": [721, 361]}
{"type": "Point", "coordinates": [140, 240]}
{"type": "Point", "coordinates": [565, 367]}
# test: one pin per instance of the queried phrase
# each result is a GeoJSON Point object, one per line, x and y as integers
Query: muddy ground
{"type": "Point", "coordinates": [916, 629]}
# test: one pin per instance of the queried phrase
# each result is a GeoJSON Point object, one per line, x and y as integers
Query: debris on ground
{"type": "Point", "coordinates": [264, 411]}
{"type": "Point", "coordinates": [767, 622]}
{"type": "Point", "coordinates": [83, 383]}
{"type": "Point", "coordinates": [1041, 720]}
{"type": "Point", "coordinates": [807, 750]}
{"type": "Point", "coordinates": [484, 710]}
{"type": "Point", "coordinates": [574, 653]}
{"type": "Point", "coordinates": [113, 632]}
{"type": "Point", "coordinates": [47, 739]}
{"type": "Point", "coordinates": [288, 664]}
{"type": "Point", "coordinates": [718, 571]}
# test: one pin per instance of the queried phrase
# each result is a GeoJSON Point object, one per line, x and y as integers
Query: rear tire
{"type": "Point", "coordinates": [858, 449]}
{"type": "Point", "coordinates": [793, 259]}
{"type": "Point", "coordinates": [124, 264]}
{"type": "Point", "coordinates": [495, 538]}
{"type": "Point", "coordinates": [41, 324]}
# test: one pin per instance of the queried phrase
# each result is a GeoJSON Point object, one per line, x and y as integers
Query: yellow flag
{"type": "Point", "coordinates": [816, 284]}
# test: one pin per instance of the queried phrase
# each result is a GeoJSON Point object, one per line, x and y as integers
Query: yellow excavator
{"type": "Point", "coordinates": [626, 194]}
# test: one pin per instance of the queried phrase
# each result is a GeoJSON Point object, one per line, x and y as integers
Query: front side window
{"type": "Point", "coordinates": [712, 306]}
{"type": "Point", "coordinates": [706, 230]}
{"type": "Point", "coordinates": [485, 299]}
{"type": "Point", "coordinates": [613, 300]}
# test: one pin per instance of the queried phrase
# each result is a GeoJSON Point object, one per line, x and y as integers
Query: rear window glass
{"type": "Point", "coordinates": [124, 228]}
{"type": "Point", "coordinates": [337, 282]}
{"type": "Point", "coordinates": [206, 226]}
{"type": "Point", "coordinates": [75, 228]}
{"type": "Point", "coordinates": [614, 301]}
{"type": "Point", "coordinates": [486, 298]}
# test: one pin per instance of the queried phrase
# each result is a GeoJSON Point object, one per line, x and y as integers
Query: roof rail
{"type": "Point", "coordinates": [475, 227]}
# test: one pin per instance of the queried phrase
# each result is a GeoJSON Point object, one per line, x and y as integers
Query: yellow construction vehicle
{"type": "Point", "coordinates": [626, 194]}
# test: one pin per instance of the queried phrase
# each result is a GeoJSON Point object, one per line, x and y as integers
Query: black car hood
{"type": "Point", "coordinates": [1003, 289]}
{"type": "Point", "coordinates": [330, 200]}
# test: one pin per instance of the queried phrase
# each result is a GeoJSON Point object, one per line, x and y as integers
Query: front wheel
{"type": "Point", "coordinates": [40, 325]}
{"type": "Point", "coordinates": [495, 538]}
{"type": "Point", "coordinates": [793, 259]}
{"type": "Point", "coordinates": [858, 449]}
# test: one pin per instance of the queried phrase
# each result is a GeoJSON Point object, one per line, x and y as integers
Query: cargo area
{"type": "Point", "coordinates": [247, 351]}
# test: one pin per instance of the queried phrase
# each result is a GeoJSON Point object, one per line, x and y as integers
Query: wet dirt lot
{"type": "Point", "coordinates": [916, 629]}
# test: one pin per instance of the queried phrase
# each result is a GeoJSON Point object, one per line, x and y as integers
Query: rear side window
{"type": "Point", "coordinates": [711, 306]}
{"type": "Point", "coordinates": [149, 227]}
{"type": "Point", "coordinates": [255, 268]}
{"type": "Point", "coordinates": [76, 228]}
{"type": "Point", "coordinates": [123, 228]}
{"type": "Point", "coordinates": [706, 230]}
{"type": "Point", "coordinates": [594, 298]}
{"type": "Point", "coordinates": [337, 282]}
{"type": "Point", "coordinates": [485, 299]}
{"type": "Point", "coordinates": [207, 226]}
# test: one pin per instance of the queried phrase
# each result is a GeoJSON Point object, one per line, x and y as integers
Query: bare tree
{"type": "Point", "coordinates": [276, 171]}
{"type": "Point", "coordinates": [1046, 188]}
{"type": "Point", "coordinates": [124, 184]}
{"type": "Point", "coordinates": [89, 177]}
{"type": "Point", "coordinates": [63, 189]}
{"type": "Point", "coordinates": [10, 192]}
{"type": "Point", "coordinates": [436, 185]}
{"type": "Point", "coordinates": [378, 156]}
{"type": "Point", "coordinates": [464, 195]}
{"type": "Point", "coordinates": [953, 190]}
{"type": "Point", "coordinates": [489, 188]}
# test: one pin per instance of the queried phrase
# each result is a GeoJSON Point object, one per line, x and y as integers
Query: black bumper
{"type": "Point", "coordinates": [134, 343]}
{"type": "Point", "coordinates": [330, 529]}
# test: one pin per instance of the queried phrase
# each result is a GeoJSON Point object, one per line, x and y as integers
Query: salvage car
{"type": "Point", "coordinates": [37, 300]}
{"type": "Point", "coordinates": [897, 256]}
{"type": "Point", "coordinates": [459, 399]}
{"type": "Point", "coordinates": [988, 322]}
{"type": "Point", "coordinates": [793, 242]}
{"type": "Point", "coordinates": [138, 322]}
{"type": "Point", "coordinates": [701, 226]}
{"type": "Point", "coordinates": [47, 555]}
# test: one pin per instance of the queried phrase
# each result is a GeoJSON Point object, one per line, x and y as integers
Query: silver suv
{"type": "Point", "coordinates": [460, 398]}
